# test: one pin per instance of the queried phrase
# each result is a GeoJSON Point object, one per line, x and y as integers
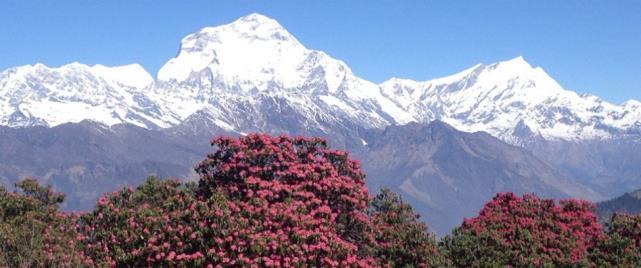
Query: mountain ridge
{"type": "Point", "coordinates": [628, 203]}
{"type": "Point", "coordinates": [256, 61]}
{"type": "Point", "coordinates": [446, 174]}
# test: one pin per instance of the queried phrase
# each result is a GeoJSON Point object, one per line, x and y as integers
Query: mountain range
{"type": "Point", "coordinates": [236, 68]}
{"type": "Point", "coordinates": [447, 144]}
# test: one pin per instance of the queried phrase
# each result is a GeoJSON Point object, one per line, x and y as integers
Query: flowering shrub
{"type": "Point", "coordinates": [402, 240]}
{"type": "Point", "coordinates": [299, 202]}
{"type": "Point", "coordinates": [33, 232]}
{"type": "Point", "coordinates": [622, 247]}
{"type": "Point", "coordinates": [527, 231]}
{"type": "Point", "coordinates": [160, 224]}
{"type": "Point", "coordinates": [260, 201]}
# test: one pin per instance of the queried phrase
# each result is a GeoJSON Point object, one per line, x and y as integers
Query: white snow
{"type": "Point", "coordinates": [494, 98]}
{"type": "Point", "coordinates": [132, 75]}
{"type": "Point", "coordinates": [455, 77]}
{"type": "Point", "coordinates": [253, 48]}
{"type": "Point", "coordinates": [232, 71]}
{"type": "Point", "coordinates": [224, 125]}
{"type": "Point", "coordinates": [333, 101]}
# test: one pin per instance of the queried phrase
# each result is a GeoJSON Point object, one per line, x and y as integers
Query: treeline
{"type": "Point", "coordinates": [629, 203]}
{"type": "Point", "coordinates": [265, 201]}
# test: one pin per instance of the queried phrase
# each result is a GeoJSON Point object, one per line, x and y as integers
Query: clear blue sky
{"type": "Point", "coordinates": [588, 46]}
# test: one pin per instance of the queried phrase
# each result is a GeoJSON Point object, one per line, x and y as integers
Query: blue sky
{"type": "Point", "coordinates": [588, 46]}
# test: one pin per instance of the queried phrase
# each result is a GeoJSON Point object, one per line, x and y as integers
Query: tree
{"type": "Point", "coordinates": [161, 223]}
{"type": "Point", "coordinates": [260, 200]}
{"type": "Point", "coordinates": [401, 239]}
{"type": "Point", "coordinates": [622, 246]}
{"type": "Point", "coordinates": [527, 231]}
{"type": "Point", "coordinates": [300, 202]}
{"type": "Point", "coordinates": [32, 232]}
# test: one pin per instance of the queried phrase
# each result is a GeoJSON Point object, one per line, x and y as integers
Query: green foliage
{"type": "Point", "coordinates": [402, 240]}
{"type": "Point", "coordinates": [45, 195]}
{"type": "Point", "coordinates": [466, 249]}
{"type": "Point", "coordinates": [32, 232]}
{"type": "Point", "coordinates": [159, 219]}
{"type": "Point", "coordinates": [622, 246]}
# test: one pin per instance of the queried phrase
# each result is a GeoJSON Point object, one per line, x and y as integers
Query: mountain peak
{"type": "Point", "coordinates": [517, 60]}
{"type": "Point", "coordinates": [132, 75]}
{"type": "Point", "coordinates": [254, 65]}
{"type": "Point", "coordinates": [257, 19]}
{"type": "Point", "coordinates": [251, 45]}
{"type": "Point", "coordinates": [517, 64]}
{"type": "Point", "coordinates": [530, 76]}
{"type": "Point", "coordinates": [252, 26]}
{"type": "Point", "coordinates": [632, 103]}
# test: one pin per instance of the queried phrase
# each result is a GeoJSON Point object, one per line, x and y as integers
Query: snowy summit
{"type": "Point", "coordinates": [240, 74]}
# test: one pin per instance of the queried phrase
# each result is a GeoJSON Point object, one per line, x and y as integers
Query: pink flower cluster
{"type": "Point", "coordinates": [261, 201]}
{"type": "Point", "coordinates": [534, 231]}
{"type": "Point", "coordinates": [300, 202]}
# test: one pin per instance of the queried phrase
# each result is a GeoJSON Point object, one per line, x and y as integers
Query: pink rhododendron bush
{"type": "Point", "coordinates": [400, 237]}
{"type": "Point", "coordinates": [298, 202]}
{"type": "Point", "coordinates": [526, 232]}
{"type": "Point", "coordinates": [32, 231]}
{"type": "Point", "coordinates": [264, 201]}
{"type": "Point", "coordinates": [622, 248]}
{"type": "Point", "coordinates": [260, 201]}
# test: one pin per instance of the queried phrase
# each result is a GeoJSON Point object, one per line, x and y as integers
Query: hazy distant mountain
{"type": "Point", "coordinates": [445, 173]}
{"type": "Point", "coordinates": [448, 175]}
{"type": "Point", "coordinates": [609, 166]}
{"type": "Point", "coordinates": [629, 203]}
{"type": "Point", "coordinates": [87, 159]}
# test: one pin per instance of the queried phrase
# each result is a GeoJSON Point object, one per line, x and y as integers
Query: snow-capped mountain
{"type": "Point", "coordinates": [253, 75]}
{"type": "Point", "coordinates": [40, 95]}
{"type": "Point", "coordinates": [510, 100]}
{"type": "Point", "coordinates": [253, 63]}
